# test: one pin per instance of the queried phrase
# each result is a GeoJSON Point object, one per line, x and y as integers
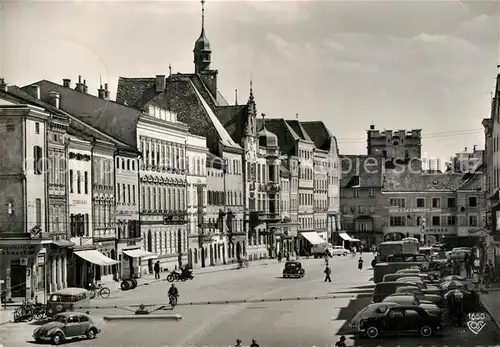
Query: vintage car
{"type": "Point", "coordinates": [293, 269]}
{"type": "Point", "coordinates": [373, 310]}
{"type": "Point", "coordinates": [66, 326]}
{"type": "Point", "coordinates": [400, 320]}
{"type": "Point", "coordinates": [434, 298]}
{"type": "Point", "coordinates": [409, 299]}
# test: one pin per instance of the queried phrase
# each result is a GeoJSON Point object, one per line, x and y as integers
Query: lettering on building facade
{"type": "Point", "coordinates": [18, 250]}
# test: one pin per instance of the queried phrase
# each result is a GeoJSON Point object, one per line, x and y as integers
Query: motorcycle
{"type": "Point", "coordinates": [186, 276]}
{"type": "Point", "coordinates": [173, 276]}
{"type": "Point", "coordinates": [172, 300]}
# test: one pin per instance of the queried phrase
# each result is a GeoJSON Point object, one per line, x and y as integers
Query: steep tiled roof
{"type": "Point", "coordinates": [472, 181]}
{"type": "Point", "coordinates": [286, 135]}
{"type": "Point", "coordinates": [299, 130]}
{"type": "Point", "coordinates": [361, 170]}
{"type": "Point", "coordinates": [109, 117]}
{"type": "Point", "coordinates": [284, 172]}
{"type": "Point", "coordinates": [76, 128]}
{"type": "Point", "coordinates": [319, 133]}
{"type": "Point", "coordinates": [234, 119]}
{"type": "Point", "coordinates": [405, 181]}
{"type": "Point", "coordinates": [188, 97]}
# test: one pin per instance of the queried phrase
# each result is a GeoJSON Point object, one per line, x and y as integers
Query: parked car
{"type": "Point", "coordinates": [411, 300]}
{"type": "Point", "coordinates": [401, 320]}
{"type": "Point", "coordinates": [66, 326]}
{"type": "Point", "coordinates": [373, 310]}
{"type": "Point", "coordinates": [434, 298]}
{"type": "Point", "coordinates": [384, 289]}
{"type": "Point", "coordinates": [339, 250]}
{"type": "Point", "coordinates": [431, 289]}
{"type": "Point", "coordinates": [293, 269]}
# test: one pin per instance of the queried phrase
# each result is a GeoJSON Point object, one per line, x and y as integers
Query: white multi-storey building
{"type": "Point", "coordinates": [196, 149]}
{"type": "Point", "coordinates": [23, 183]}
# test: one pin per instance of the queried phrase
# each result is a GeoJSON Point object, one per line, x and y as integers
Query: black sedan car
{"type": "Point", "coordinates": [401, 320]}
{"type": "Point", "coordinates": [293, 269]}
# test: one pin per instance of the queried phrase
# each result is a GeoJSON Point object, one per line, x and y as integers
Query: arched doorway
{"type": "Point", "coordinates": [238, 250]}
{"type": "Point", "coordinates": [196, 256]}
{"type": "Point", "coordinates": [202, 256]}
{"type": "Point", "coordinates": [211, 255]}
{"type": "Point", "coordinates": [190, 258]}
{"type": "Point", "coordinates": [114, 268]}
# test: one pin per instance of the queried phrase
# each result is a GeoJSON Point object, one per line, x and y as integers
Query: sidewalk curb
{"type": "Point", "coordinates": [495, 319]}
{"type": "Point", "coordinates": [175, 317]}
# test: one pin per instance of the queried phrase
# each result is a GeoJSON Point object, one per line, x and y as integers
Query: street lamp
{"type": "Point", "coordinates": [422, 229]}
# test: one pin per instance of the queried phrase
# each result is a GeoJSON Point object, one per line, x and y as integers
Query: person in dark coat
{"type": "Point", "coordinates": [254, 343]}
{"type": "Point", "coordinates": [360, 263]}
{"type": "Point", "coordinates": [157, 270]}
{"type": "Point", "coordinates": [328, 272]}
{"type": "Point", "coordinates": [341, 342]}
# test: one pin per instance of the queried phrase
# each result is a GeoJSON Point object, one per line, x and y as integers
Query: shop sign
{"type": "Point", "coordinates": [107, 244]}
{"type": "Point", "coordinates": [408, 210]}
{"type": "Point", "coordinates": [40, 260]}
{"type": "Point", "coordinates": [78, 202]}
{"type": "Point", "coordinates": [436, 230]}
{"type": "Point", "coordinates": [18, 250]}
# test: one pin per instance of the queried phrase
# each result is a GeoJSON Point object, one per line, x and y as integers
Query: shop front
{"type": "Point", "coordinates": [89, 264]}
{"type": "Point", "coordinates": [132, 259]}
{"type": "Point", "coordinates": [285, 233]}
{"type": "Point", "coordinates": [23, 267]}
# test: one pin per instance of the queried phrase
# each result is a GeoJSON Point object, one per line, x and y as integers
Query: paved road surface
{"type": "Point", "coordinates": [279, 324]}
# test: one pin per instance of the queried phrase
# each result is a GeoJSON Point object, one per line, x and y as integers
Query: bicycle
{"type": "Point", "coordinates": [24, 312]}
{"type": "Point", "coordinates": [99, 291]}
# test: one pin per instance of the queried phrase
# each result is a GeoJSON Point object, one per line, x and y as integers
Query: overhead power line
{"type": "Point", "coordinates": [446, 134]}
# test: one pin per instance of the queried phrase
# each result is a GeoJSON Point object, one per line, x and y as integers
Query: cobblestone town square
{"type": "Point", "coordinates": [305, 322]}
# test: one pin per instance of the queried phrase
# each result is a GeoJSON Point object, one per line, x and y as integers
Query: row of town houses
{"type": "Point", "coordinates": [95, 190]}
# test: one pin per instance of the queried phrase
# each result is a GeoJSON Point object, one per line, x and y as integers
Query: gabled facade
{"type": "Point", "coordinates": [361, 199]}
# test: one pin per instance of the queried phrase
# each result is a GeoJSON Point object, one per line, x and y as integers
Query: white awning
{"type": "Point", "coordinates": [313, 238]}
{"type": "Point", "coordinates": [345, 237]}
{"type": "Point", "coordinates": [95, 257]}
{"type": "Point", "coordinates": [139, 253]}
{"type": "Point", "coordinates": [355, 240]}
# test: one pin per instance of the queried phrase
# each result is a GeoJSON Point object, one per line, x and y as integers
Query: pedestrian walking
{"type": "Point", "coordinates": [280, 256]}
{"type": "Point", "coordinates": [341, 342]}
{"type": "Point", "coordinates": [468, 270]}
{"type": "Point", "coordinates": [360, 263]}
{"type": "Point", "coordinates": [254, 343]}
{"type": "Point", "coordinates": [328, 272]}
{"type": "Point", "coordinates": [157, 270]}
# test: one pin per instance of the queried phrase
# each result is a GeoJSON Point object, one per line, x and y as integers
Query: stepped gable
{"type": "Point", "coordinates": [399, 180]}
{"type": "Point", "coordinates": [287, 137]}
{"type": "Point", "coordinates": [361, 171]}
{"type": "Point", "coordinates": [111, 118]}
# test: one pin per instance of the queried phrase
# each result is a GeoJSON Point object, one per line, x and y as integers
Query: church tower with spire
{"type": "Point", "coordinates": [203, 57]}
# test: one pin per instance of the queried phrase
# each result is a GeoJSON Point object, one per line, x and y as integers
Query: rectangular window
{"type": "Point", "coordinates": [78, 182]}
{"type": "Point", "coordinates": [118, 193]}
{"type": "Point", "coordinates": [71, 181]}
{"type": "Point", "coordinates": [86, 182]}
{"type": "Point", "coordinates": [452, 220]}
{"type": "Point", "coordinates": [37, 160]}
{"type": "Point", "coordinates": [372, 193]}
{"type": "Point", "coordinates": [356, 193]}
{"type": "Point", "coordinates": [452, 203]}
{"type": "Point", "coordinates": [398, 202]}
{"type": "Point", "coordinates": [420, 203]}
{"type": "Point", "coordinates": [37, 128]}
{"type": "Point", "coordinates": [473, 221]}
{"type": "Point", "coordinates": [123, 193]}
{"type": "Point", "coordinates": [133, 194]}
{"type": "Point", "coordinates": [38, 212]}
{"type": "Point", "coordinates": [436, 203]}
{"type": "Point", "coordinates": [128, 193]}
{"type": "Point", "coordinates": [472, 201]}
{"type": "Point", "coordinates": [398, 221]}
{"type": "Point", "coordinates": [436, 220]}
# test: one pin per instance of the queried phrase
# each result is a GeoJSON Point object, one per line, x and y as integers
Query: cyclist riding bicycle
{"type": "Point", "coordinates": [173, 291]}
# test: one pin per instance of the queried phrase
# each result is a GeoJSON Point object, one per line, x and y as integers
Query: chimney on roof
{"type": "Point", "coordinates": [54, 99]}
{"type": "Point", "coordinates": [34, 91]}
{"type": "Point", "coordinates": [160, 83]}
{"type": "Point", "coordinates": [372, 127]}
{"type": "Point", "coordinates": [106, 91]}
{"type": "Point", "coordinates": [80, 87]}
{"type": "Point", "coordinates": [66, 83]}
{"type": "Point", "coordinates": [101, 93]}
{"type": "Point", "coordinates": [85, 88]}
{"type": "Point", "coordinates": [3, 85]}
